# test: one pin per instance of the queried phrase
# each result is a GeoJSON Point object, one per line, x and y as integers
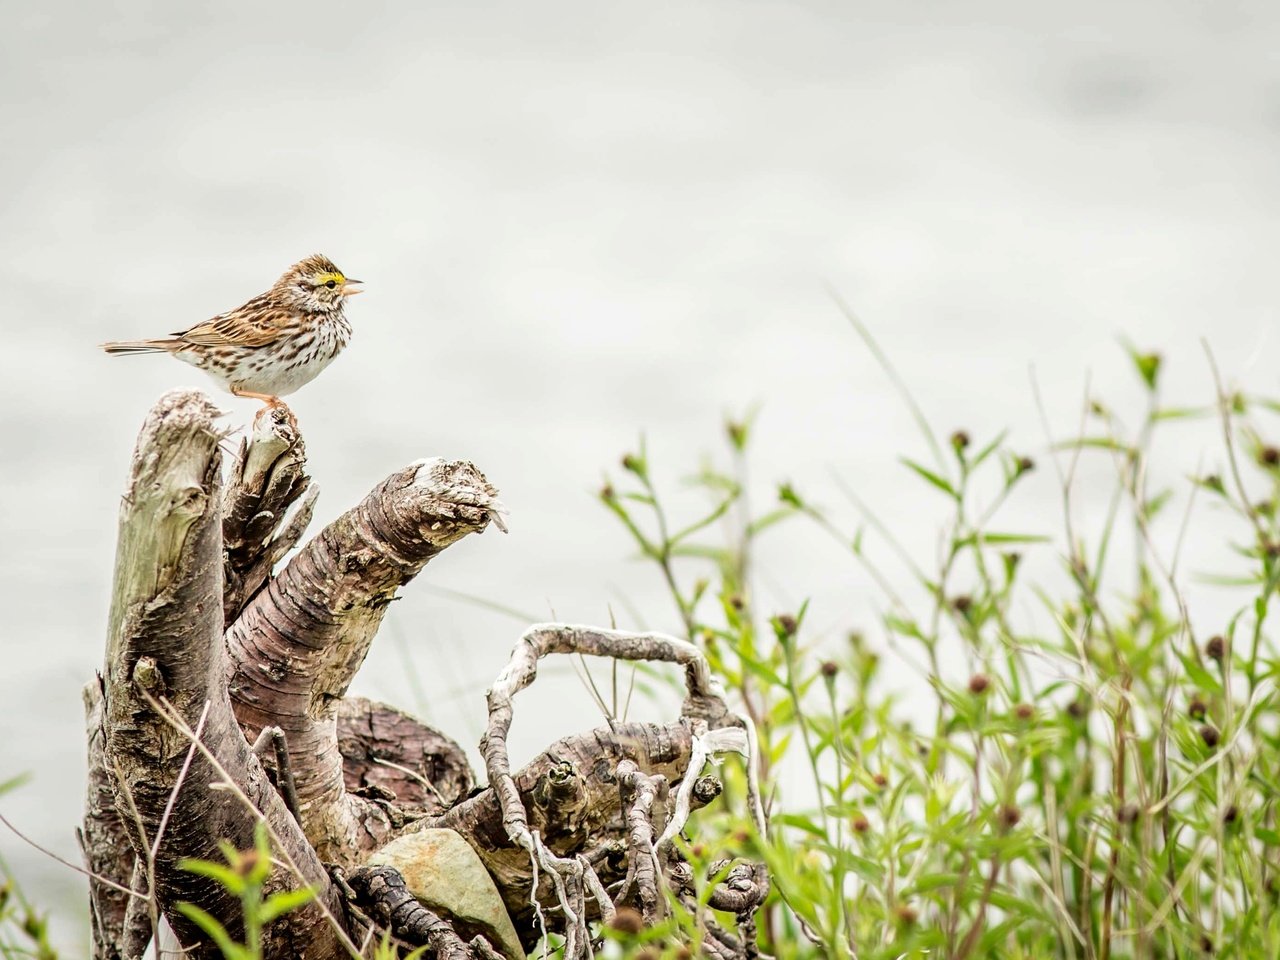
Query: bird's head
{"type": "Point", "coordinates": [316, 285]}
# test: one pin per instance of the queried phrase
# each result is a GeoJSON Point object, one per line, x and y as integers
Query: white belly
{"type": "Point", "coordinates": [279, 368]}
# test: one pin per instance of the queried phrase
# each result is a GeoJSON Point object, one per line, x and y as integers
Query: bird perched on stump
{"type": "Point", "coordinates": [272, 345]}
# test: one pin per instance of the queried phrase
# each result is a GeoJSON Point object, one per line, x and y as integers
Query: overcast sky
{"type": "Point", "coordinates": [579, 222]}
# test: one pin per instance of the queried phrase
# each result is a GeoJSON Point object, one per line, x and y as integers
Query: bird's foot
{"type": "Point", "coordinates": [278, 410]}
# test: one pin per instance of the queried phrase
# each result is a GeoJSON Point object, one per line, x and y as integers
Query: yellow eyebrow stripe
{"type": "Point", "coordinates": [332, 275]}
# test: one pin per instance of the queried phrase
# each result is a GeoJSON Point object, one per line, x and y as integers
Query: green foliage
{"type": "Point", "coordinates": [1076, 774]}
{"type": "Point", "coordinates": [245, 876]}
{"type": "Point", "coordinates": [24, 930]}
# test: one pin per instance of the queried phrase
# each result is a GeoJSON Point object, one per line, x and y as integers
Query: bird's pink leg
{"type": "Point", "coordinates": [272, 403]}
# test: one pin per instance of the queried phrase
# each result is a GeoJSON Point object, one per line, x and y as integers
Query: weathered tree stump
{"type": "Point", "coordinates": [212, 654]}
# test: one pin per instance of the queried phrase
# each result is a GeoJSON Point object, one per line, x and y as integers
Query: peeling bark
{"type": "Point", "coordinates": [300, 640]}
{"type": "Point", "coordinates": [164, 647]}
{"type": "Point", "coordinates": [389, 755]}
{"type": "Point", "coordinates": [104, 841]}
{"type": "Point", "coordinates": [206, 643]}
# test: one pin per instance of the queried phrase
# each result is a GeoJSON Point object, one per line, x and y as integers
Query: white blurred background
{"type": "Point", "coordinates": [579, 222]}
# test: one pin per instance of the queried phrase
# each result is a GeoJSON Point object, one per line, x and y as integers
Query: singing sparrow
{"type": "Point", "coordinates": [275, 343]}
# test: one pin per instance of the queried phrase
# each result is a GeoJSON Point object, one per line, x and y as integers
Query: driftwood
{"type": "Point", "coordinates": [222, 705]}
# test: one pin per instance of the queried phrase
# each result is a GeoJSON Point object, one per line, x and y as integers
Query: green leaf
{"type": "Point", "coordinates": [215, 871]}
{"type": "Point", "coordinates": [705, 522]}
{"type": "Point", "coordinates": [285, 901]}
{"type": "Point", "coordinates": [1198, 675]}
{"type": "Point", "coordinates": [940, 482]}
{"type": "Point", "coordinates": [1147, 364]}
{"type": "Point", "coordinates": [14, 782]}
{"type": "Point", "coordinates": [996, 539]}
{"type": "Point", "coordinates": [1100, 443]}
{"type": "Point", "coordinates": [215, 931]}
{"type": "Point", "coordinates": [1183, 413]}
{"type": "Point", "coordinates": [800, 823]}
{"type": "Point", "coordinates": [989, 449]}
{"type": "Point", "coordinates": [769, 519]}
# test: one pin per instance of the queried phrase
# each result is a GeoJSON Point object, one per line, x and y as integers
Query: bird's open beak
{"type": "Point", "coordinates": [351, 288]}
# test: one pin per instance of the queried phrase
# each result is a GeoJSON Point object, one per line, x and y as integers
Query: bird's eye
{"type": "Point", "coordinates": [331, 284]}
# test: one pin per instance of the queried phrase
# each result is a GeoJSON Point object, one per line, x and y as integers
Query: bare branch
{"type": "Point", "coordinates": [300, 640]}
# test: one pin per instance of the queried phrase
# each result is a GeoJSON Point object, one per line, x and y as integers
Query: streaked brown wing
{"type": "Point", "coordinates": [256, 324]}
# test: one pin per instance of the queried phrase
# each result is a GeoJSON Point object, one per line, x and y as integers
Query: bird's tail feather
{"type": "Point", "coordinates": [139, 346]}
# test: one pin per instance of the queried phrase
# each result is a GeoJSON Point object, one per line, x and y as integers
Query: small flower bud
{"type": "Point", "coordinates": [737, 433]}
{"type": "Point", "coordinates": [1078, 709]}
{"type": "Point", "coordinates": [787, 494]}
{"type": "Point", "coordinates": [830, 669]}
{"type": "Point", "coordinates": [962, 604]}
{"type": "Point", "coordinates": [33, 925]}
{"type": "Point", "coordinates": [1196, 709]}
{"type": "Point", "coordinates": [880, 780]}
{"type": "Point", "coordinates": [1216, 648]}
{"type": "Point", "coordinates": [979, 684]}
{"type": "Point", "coordinates": [959, 440]}
{"type": "Point", "coordinates": [785, 624]}
{"type": "Point", "coordinates": [861, 824]}
{"type": "Point", "coordinates": [1231, 814]}
{"type": "Point", "coordinates": [1210, 735]}
{"type": "Point", "coordinates": [1025, 465]}
{"type": "Point", "coordinates": [1128, 813]}
{"type": "Point", "coordinates": [1009, 816]}
{"type": "Point", "coordinates": [905, 916]}
{"type": "Point", "coordinates": [628, 921]}
{"type": "Point", "coordinates": [1024, 711]}
{"type": "Point", "coordinates": [1269, 456]}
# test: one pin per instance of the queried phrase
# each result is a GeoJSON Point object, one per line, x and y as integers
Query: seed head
{"type": "Point", "coordinates": [1269, 456]}
{"type": "Point", "coordinates": [959, 439]}
{"type": "Point", "coordinates": [1196, 709]}
{"type": "Point", "coordinates": [979, 684]}
{"type": "Point", "coordinates": [860, 824]}
{"type": "Point", "coordinates": [628, 921]}
{"type": "Point", "coordinates": [1210, 735]}
{"type": "Point", "coordinates": [1216, 648]}
{"type": "Point", "coordinates": [1009, 816]}
{"type": "Point", "coordinates": [830, 669]}
{"type": "Point", "coordinates": [1024, 711]}
{"type": "Point", "coordinates": [880, 780]}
